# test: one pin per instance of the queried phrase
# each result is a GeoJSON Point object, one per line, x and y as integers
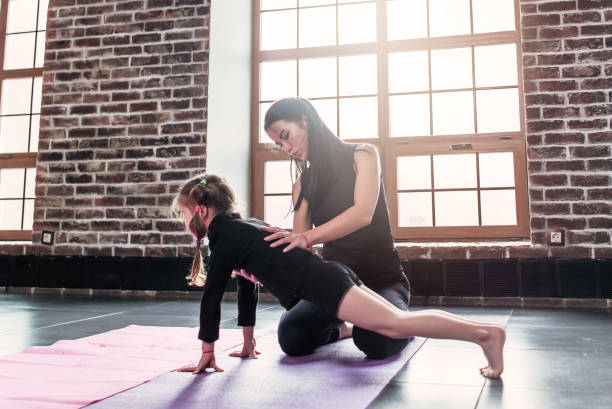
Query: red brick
{"type": "Point", "coordinates": [557, 6]}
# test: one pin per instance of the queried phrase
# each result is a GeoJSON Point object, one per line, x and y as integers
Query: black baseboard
{"type": "Point", "coordinates": [547, 278]}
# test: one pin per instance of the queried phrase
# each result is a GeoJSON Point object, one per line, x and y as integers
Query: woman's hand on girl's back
{"type": "Point", "coordinates": [280, 237]}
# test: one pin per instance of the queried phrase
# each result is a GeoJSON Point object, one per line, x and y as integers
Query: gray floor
{"type": "Point", "coordinates": [554, 358]}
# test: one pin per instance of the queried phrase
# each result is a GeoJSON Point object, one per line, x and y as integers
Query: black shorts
{"type": "Point", "coordinates": [327, 284]}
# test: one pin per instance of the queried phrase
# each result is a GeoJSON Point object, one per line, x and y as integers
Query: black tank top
{"type": "Point", "coordinates": [368, 251]}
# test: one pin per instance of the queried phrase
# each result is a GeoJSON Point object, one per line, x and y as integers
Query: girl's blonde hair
{"type": "Point", "coordinates": [204, 190]}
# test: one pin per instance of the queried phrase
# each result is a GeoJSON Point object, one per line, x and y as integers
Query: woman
{"type": "Point", "coordinates": [340, 191]}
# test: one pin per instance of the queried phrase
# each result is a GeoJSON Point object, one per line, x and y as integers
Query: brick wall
{"type": "Point", "coordinates": [567, 67]}
{"type": "Point", "coordinates": [123, 122]}
{"type": "Point", "coordinates": [124, 108]}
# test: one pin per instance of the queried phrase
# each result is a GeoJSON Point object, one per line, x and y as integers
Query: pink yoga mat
{"type": "Point", "coordinates": [75, 373]}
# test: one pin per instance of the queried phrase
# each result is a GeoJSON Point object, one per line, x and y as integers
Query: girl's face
{"type": "Point", "coordinates": [188, 213]}
{"type": "Point", "coordinates": [290, 137]}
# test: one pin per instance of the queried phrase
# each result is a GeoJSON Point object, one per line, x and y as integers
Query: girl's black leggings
{"type": "Point", "coordinates": [306, 327]}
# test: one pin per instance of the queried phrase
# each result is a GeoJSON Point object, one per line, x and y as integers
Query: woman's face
{"type": "Point", "coordinates": [290, 137]}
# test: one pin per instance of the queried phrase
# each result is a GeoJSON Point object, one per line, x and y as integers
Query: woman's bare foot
{"type": "Point", "coordinates": [346, 330]}
{"type": "Point", "coordinates": [493, 346]}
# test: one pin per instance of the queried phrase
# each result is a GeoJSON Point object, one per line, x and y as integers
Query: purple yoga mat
{"type": "Point", "coordinates": [336, 376]}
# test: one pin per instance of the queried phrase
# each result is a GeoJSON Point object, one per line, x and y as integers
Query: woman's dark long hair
{"type": "Point", "coordinates": [323, 144]}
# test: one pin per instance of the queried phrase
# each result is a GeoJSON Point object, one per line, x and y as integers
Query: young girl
{"type": "Point", "coordinates": [207, 204]}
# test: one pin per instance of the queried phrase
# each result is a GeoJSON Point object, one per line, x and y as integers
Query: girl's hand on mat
{"type": "Point", "coordinates": [248, 350]}
{"type": "Point", "coordinates": [242, 273]}
{"type": "Point", "coordinates": [206, 361]}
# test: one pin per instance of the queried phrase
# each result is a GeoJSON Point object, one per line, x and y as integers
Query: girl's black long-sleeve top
{"type": "Point", "coordinates": [237, 243]}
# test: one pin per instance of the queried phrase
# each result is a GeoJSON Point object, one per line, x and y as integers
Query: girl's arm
{"type": "Point", "coordinates": [219, 269]}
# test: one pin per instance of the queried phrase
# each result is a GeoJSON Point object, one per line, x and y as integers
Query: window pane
{"type": "Point", "coordinates": [263, 108]}
{"type": "Point", "coordinates": [409, 115]}
{"type": "Point", "coordinates": [454, 171]}
{"type": "Point", "coordinates": [14, 133]}
{"type": "Point", "coordinates": [278, 30]}
{"type": "Point", "coordinates": [453, 113]}
{"type": "Point", "coordinates": [495, 65]}
{"type": "Point", "coordinates": [318, 26]}
{"type": "Point", "coordinates": [451, 69]}
{"type": "Point", "coordinates": [19, 92]}
{"type": "Point", "coordinates": [413, 172]}
{"type": "Point", "coordinates": [277, 177]}
{"type": "Point", "coordinates": [497, 110]}
{"type": "Point", "coordinates": [449, 17]}
{"type": "Point", "coordinates": [19, 52]}
{"type": "Point", "coordinates": [21, 16]}
{"type": "Point", "coordinates": [10, 214]}
{"type": "Point", "coordinates": [43, 6]}
{"type": "Point", "coordinates": [11, 183]}
{"type": "Point", "coordinates": [408, 72]}
{"type": "Point", "coordinates": [358, 118]}
{"type": "Point", "coordinates": [318, 77]}
{"type": "Point", "coordinates": [306, 3]}
{"type": "Point", "coordinates": [498, 207]}
{"type": "Point", "coordinates": [34, 133]}
{"type": "Point", "coordinates": [414, 209]}
{"type": "Point", "coordinates": [30, 182]}
{"type": "Point", "coordinates": [358, 75]}
{"type": "Point", "coordinates": [37, 97]}
{"type": "Point", "coordinates": [357, 23]}
{"type": "Point", "coordinates": [406, 19]}
{"type": "Point", "coordinates": [328, 111]}
{"type": "Point", "coordinates": [456, 208]}
{"type": "Point", "coordinates": [28, 214]}
{"type": "Point", "coordinates": [496, 169]}
{"type": "Point", "coordinates": [277, 211]}
{"type": "Point", "coordinates": [278, 79]}
{"type": "Point", "coordinates": [495, 15]}
{"type": "Point", "coordinates": [278, 4]}
{"type": "Point", "coordinates": [40, 49]}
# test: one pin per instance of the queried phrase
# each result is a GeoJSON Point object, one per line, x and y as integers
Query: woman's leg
{"type": "Point", "coordinates": [389, 304]}
{"type": "Point", "coordinates": [373, 344]}
{"type": "Point", "coordinates": [369, 312]}
{"type": "Point", "coordinates": [305, 327]}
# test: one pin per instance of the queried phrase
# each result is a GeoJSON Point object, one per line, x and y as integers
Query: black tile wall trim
{"type": "Point", "coordinates": [562, 278]}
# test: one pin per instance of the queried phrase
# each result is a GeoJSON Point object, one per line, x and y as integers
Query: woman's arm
{"type": "Point", "coordinates": [367, 188]}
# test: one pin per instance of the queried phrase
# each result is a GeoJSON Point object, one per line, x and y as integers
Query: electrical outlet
{"type": "Point", "coordinates": [47, 237]}
{"type": "Point", "coordinates": [555, 237]}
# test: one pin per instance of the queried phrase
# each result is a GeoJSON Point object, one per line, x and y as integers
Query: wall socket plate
{"type": "Point", "coordinates": [47, 238]}
{"type": "Point", "coordinates": [555, 237]}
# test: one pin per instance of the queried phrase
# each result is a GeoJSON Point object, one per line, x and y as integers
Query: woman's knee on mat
{"type": "Point", "coordinates": [375, 345]}
{"type": "Point", "coordinates": [293, 340]}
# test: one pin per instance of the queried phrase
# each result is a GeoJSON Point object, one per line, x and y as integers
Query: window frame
{"type": "Point", "coordinates": [391, 147]}
{"type": "Point", "coordinates": [21, 159]}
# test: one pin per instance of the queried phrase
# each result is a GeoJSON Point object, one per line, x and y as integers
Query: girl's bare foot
{"type": "Point", "coordinates": [346, 330]}
{"type": "Point", "coordinates": [493, 346]}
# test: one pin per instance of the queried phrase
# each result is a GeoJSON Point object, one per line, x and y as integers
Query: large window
{"type": "Point", "coordinates": [22, 48]}
{"type": "Point", "coordinates": [435, 85]}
